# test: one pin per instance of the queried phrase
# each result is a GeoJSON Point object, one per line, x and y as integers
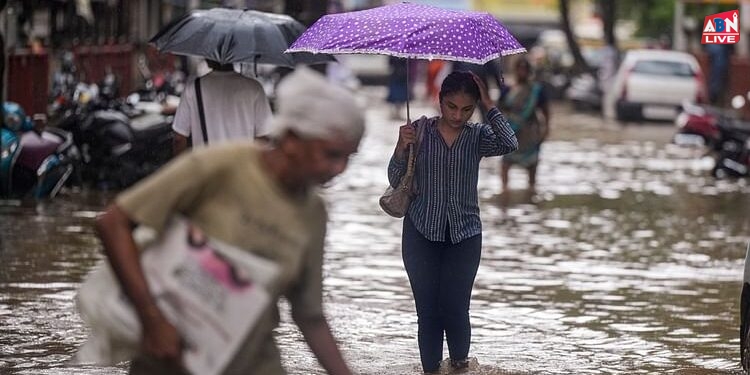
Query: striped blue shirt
{"type": "Point", "coordinates": [446, 177]}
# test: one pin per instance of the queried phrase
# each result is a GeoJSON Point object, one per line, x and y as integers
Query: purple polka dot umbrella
{"type": "Point", "coordinates": [411, 31]}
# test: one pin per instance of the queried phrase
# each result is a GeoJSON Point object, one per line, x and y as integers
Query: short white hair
{"type": "Point", "coordinates": [311, 107]}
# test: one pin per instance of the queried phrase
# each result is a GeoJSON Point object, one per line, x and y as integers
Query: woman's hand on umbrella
{"type": "Point", "coordinates": [406, 135]}
{"type": "Point", "coordinates": [484, 98]}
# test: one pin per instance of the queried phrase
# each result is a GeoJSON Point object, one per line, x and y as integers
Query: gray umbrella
{"type": "Point", "coordinates": [233, 36]}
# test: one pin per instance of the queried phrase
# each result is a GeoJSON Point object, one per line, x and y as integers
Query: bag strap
{"type": "Point", "coordinates": [201, 113]}
{"type": "Point", "coordinates": [421, 124]}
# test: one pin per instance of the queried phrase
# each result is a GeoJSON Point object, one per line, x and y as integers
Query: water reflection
{"type": "Point", "coordinates": [628, 261]}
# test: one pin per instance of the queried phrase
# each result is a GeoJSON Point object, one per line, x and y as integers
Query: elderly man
{"type": "Point", "coordinates": [261, 198]}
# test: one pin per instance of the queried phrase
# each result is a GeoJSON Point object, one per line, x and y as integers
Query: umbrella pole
{"type": "Point", "coordinates": [408, 118]}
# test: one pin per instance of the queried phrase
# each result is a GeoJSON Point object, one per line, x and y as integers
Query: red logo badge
{"type": "Point", "coordinates": [722, 28]}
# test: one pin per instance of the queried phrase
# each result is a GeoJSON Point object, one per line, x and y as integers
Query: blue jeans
{"type": "Point", "coordinates": [441, 275]}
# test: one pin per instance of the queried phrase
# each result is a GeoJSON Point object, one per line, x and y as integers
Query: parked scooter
{"type": "Point", "coordinates": [724, 133]}
{"type": "Point", "coordinates": [160, 86]}
{"type": "Point", "coordinates": [35, 160]}
{"type": "Point", "coordinates": [699, 124]}
{"type": "Point", "coordinates": [119, 143]}
{"type": "Point", "coordinates": [733, 157]}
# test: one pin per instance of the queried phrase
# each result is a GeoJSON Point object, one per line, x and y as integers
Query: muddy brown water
{"type": "Point", "coordinates": [628, 260]}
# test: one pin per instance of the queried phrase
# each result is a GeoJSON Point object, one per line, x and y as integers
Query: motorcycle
{"type": "Point", "coordinates": [699, 124]}
{"type": "Point", "coordinates": [724, 133]}
{"type": "Point", "coordinates": [159, 86]}
{"type": "Point", "coordinates": [35, 160]}
{"type": "Point", "coordinates": [733, 157]}
{"type": "Point", "coordinates": [119, 142]}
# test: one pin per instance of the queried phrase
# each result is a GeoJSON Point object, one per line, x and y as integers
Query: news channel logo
{"type": "Point", "coordinates": [721, 28]}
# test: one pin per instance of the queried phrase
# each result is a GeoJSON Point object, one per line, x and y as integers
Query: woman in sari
{"type": "Point", "coordinates": [523, 103]}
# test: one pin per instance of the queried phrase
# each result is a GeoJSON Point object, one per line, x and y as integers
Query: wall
{"type": "Point", "coordinates": [28, 81]}
{"type": "Point", "coordinates": [30, 75]}
{"type": "Point", "coordinates": [739, 74]}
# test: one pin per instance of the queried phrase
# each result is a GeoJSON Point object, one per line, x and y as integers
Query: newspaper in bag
{"type": "Point", "coordinates": [212, 292]}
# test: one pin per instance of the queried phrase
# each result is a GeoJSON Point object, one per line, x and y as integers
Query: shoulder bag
{"type": "Point", "coordinates": [201, 112]}
{"type": "Point", "coordinates": [395, 201]}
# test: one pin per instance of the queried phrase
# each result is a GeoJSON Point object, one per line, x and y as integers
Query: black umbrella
{"type": "Point", "coordinates": [233, 36]}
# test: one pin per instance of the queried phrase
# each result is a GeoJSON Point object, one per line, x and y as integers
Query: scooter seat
{"type": "Point", "coordinates": [147, 121]}
{"type": "Point", "coordinates": [36, 148]}
{"type": "Point", "coordinates": [150, 128]}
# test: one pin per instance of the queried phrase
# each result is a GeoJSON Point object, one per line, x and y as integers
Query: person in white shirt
{"type": "Point", "coordinates": [234, 106]}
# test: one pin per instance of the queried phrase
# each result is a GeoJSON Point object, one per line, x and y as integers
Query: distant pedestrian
{"type": "Point", "coordinates": [436, 73]}
{"type": "Point", "coordinates": [234, 106]}
{"type": "Point", "coordinates": [718, 77]}
{"type": "Point", "coordinates": [528, 112]}
{"type": "Point", "coordinates": [398, 86]}
{"type": "Point", "coordinates": [607, 70]}
{"type": "Point", "coordinates": [442, 234]}
{"type": "Point", "coordinates": [260, 198]}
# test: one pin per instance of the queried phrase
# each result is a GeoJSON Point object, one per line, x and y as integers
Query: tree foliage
{"type": "Point", "coordinates": [579, 63]}
{"type": "Point", "coordinates": [655, 18]}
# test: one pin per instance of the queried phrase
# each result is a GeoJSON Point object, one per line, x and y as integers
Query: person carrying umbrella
{"type": "Point", "coordinates": [442, 232]}
{"type": "Point", "coordinates": [233, 107]}
{"type": "Point", "coordinates": [441, 241]}
{"type": "Point", "coordinates": [228, 192]}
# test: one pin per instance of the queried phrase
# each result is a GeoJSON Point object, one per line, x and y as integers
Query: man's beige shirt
{"type": "Point", "coordinates": [225, 191]}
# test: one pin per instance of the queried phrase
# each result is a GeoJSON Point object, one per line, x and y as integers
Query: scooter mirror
{"type": "Point", "coordinates": [738, 102]}
{"type": "Point", "coordinates": [133, 98]}
{"type": "Point", "coordinates": [40, 122]}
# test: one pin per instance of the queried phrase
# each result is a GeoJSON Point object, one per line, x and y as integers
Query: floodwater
{"type": "Point", "coordinates": [628, 261]}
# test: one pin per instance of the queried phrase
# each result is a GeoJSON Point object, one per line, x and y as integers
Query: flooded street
{"type": "Point", "coordinates": [628, 260]}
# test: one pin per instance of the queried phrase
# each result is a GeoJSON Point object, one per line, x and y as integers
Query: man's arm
{"type": "Point", "coordinates": [306, 299]}
{"type": "Point", "coordinates": [179, 143]}
{"type": "Point", "coordinates": [318, 336]}
{"type": "Point", "coordinates": [185, 116]}
{"type": "Point", "coordinates": [160, 338]}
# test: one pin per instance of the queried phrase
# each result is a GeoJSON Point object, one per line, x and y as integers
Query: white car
{"type": "Point", "coordinates": [652, 84]}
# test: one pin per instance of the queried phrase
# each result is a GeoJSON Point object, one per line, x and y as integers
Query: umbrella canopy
{"type": "Point", "coordinates": [233, 35]}
{"type": "Point", "coordinates": [411, 31]}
